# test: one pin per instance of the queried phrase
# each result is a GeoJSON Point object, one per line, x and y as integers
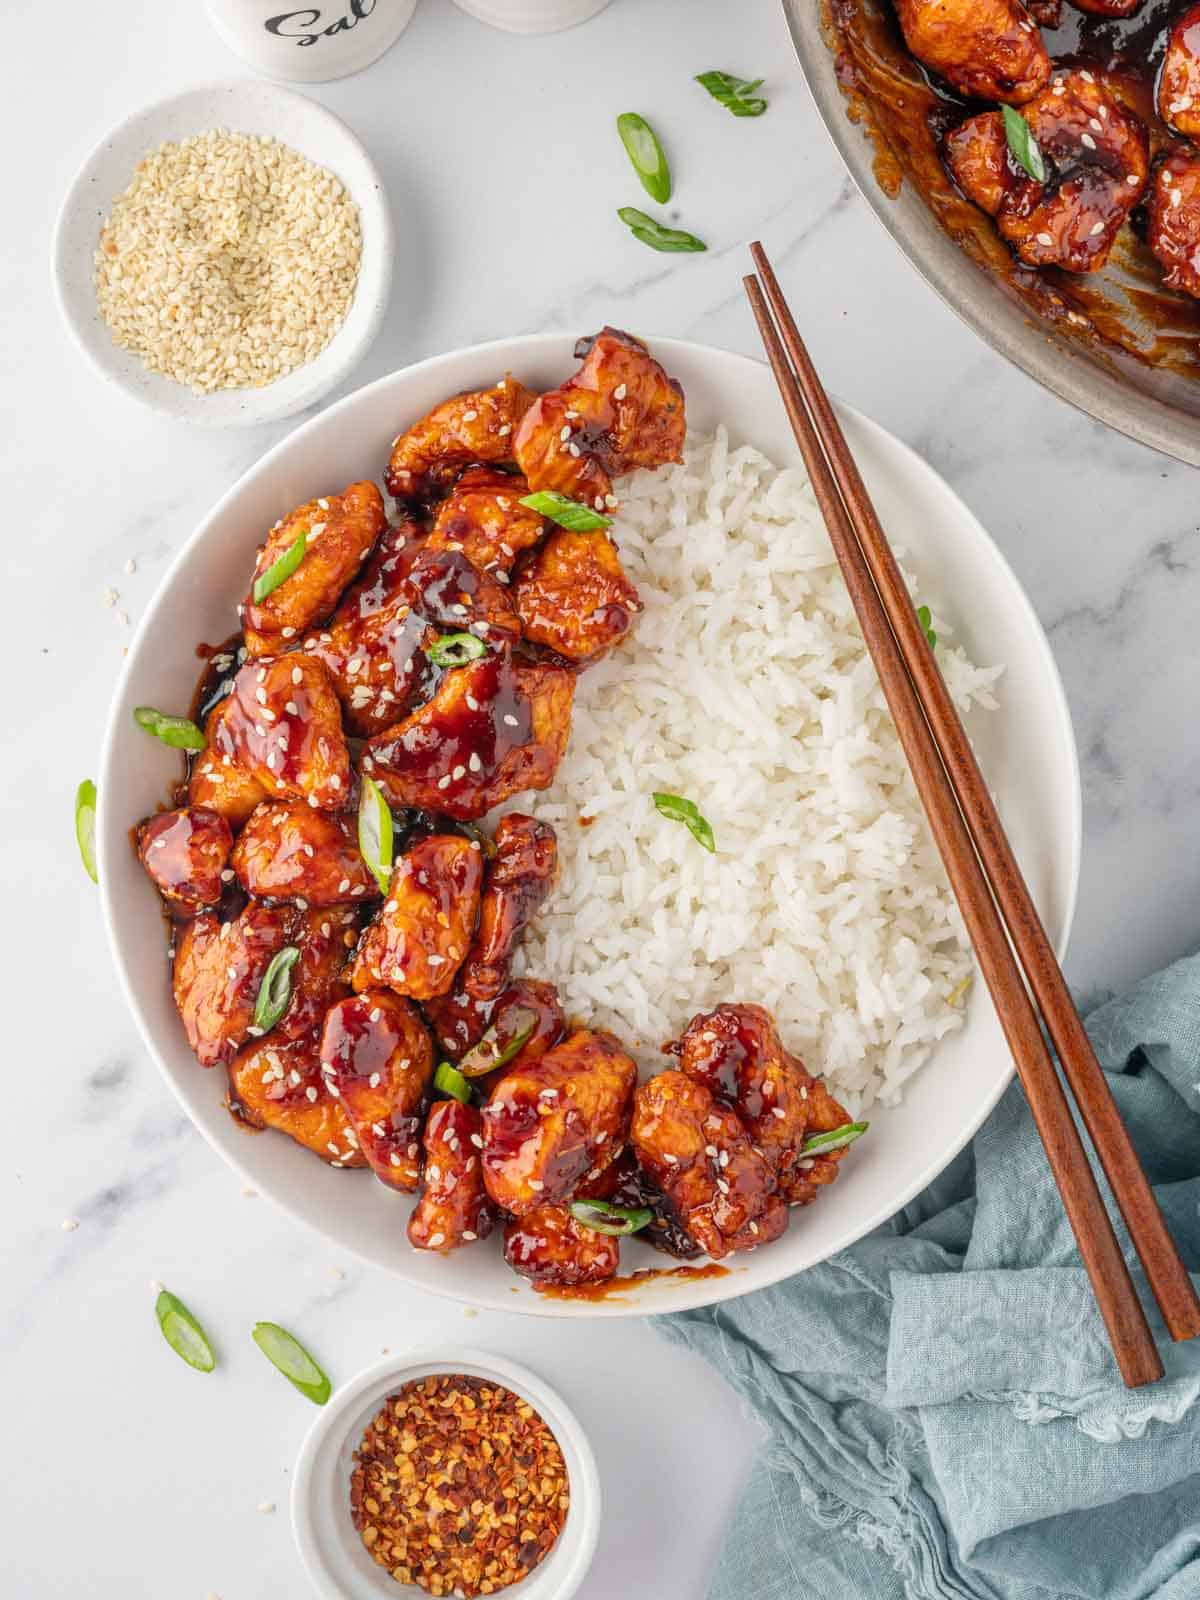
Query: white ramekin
{"type": "Point", "coordinates": [532, 16]}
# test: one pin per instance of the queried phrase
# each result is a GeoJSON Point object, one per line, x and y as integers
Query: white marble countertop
{"type": "Point", "coordinates": [124, 1471]}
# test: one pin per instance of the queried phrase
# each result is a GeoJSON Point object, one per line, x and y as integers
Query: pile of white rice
{"type": "Point", "coordinates": [745, 687]}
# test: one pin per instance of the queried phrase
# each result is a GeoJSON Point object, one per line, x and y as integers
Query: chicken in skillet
{"type": "Point", "coordinates": [987, 49]}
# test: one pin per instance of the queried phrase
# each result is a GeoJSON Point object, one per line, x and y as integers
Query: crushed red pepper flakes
{"type": "Point", "coordinates": [459, 1486]}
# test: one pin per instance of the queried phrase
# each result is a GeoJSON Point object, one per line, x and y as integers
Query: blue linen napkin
{"type": "Point", "coordinates": [945, 1417]}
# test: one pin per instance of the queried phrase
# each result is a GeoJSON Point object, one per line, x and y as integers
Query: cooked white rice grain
{"type": "Point", "coordinates": [745, 687]}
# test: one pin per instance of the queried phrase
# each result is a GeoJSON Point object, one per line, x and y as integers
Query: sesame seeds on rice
{"type": "Point", "coordinates": [229, 261]}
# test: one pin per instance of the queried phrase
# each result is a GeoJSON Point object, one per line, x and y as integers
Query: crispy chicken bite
{"type": "Point", "coordinates": [325, 938]}
{"type": "Point", "coordinates": [453, 1209]}
{"type": "Point", "coordinates": [548, 1245]}
{"type": "Point", "coordinates": [627, 1183]}
{"type": "Point", "coordinates": [483, 517]}
{"type": "Point", "coordinates": [493, 728]}
{"type": "Point", "coordinates": [549, 1124]}
{"type": "Point", "coordinates": [284, 729]}
{"type": "Point", "coordinates": [700, 1155]}
{"type": "Point", "coordinates": [468, 428]}
{"type": "Point", "coordinates": [573, 596]}
{"type": "Point", "coordinates": [278, 1084]}
{"type": "Point", "coordinates": [418, 942]}
{"type": "Point", "coordinates": [374, 645]}
{"type": "Point", "coordinates": [377, 1060]}
{"type": "Point", "coordinates": [1179, 78]}
{"type": "Point", "coordinates": [1098, 157]}
{"type": "Point", "coordinates": [618, 412]}
{"type": "Point", "coordinates": [288, 851]}
{"type": "Point", "coordinates": [339, 532]}
{"type": "Point", "coordinates": [990, 49]}
{"type": "Point", "coordinates": [218, 782]}
{"type": "Point", "coordinates": [445, 588]}
{"type": "Point", "coordinates": [799, 1184]}
{"type": "Point", "coordinates": [1174, 219]}
{"type": "Point", "coordinates": [459, 1022]}
{"type": "Point", "coordinates": [185, 853]}
{"type": "Point", "coordinates": [218, 969]}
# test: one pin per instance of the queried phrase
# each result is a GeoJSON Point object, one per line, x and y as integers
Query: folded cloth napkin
{"type": "Point", "coordinates": [945, 1417]}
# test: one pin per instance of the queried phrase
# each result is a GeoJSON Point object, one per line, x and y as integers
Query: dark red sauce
{"type": "Point", "coordinates": [619, 1287]}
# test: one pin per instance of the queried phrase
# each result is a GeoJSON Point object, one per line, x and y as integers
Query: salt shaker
{"type": "Point", "coordinates": [532, 16]}
{"type": "Point", "coordinates": [310, 43]}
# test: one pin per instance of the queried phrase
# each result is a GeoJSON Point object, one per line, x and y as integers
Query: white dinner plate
{"type": "Point", "coordinates": [1026, 748]}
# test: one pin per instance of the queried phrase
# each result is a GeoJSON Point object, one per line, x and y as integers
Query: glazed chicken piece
{"type": "Point", "coordinates": [700, 1155]}
{"type": "Point", "coordinates": [288, 851]}
{"type": "Point", "coordinates": [278, 1084]}
{"type": "Point", "coordinates": [283, 727]}
{"type": "Point", "coordinates": [218, 969]}
{"type": "Point", "coordinates": [1179, 79]}
{"type": "Point", "coordinates": [626, 1183]}
{"type": "Point", "coordinates": [377, 1060]}
{"type": "Point", "coordinates": [527, 1006]}
{"type": "Point", "coordinates": [185, 853]}
{"type": "Point", "coordinates": [418, 942]}
{"type": "Point", "coordinates": [801, 1183]}
{"type": "Point", "coordinates": [1097, 153]}
{"type": "Point", "coordinates": [548, 1245]}
{"type": "Point", "coordinates": [550, 1124]}
{"type": "Point", "coordinates": [988, 49]}
{"type": "Point", "coordinates": [374, 647]}
{"type": "Point", "coordinates": [453, 1209]}
{"type": "Point", "coordinates": [493, 728]}
{"type": "Point", "coordinates": [445, 588]}
{"type": "Point", "coordinates": [469, 428]}
{"type": "Point", "coordinates": [483, 517]}
{"type": "Point", "coordinates": [1174, 220]}
{"type": "Point", "coordinates": [1046, 13]}
{"type": "Point", "coordinates": [573, 596]}
{"type": "Point", "coordinates": [325, 937]}
{"type": "Point", "coordinates": [618, 412]}
{"type": "Point", "coordinates": [217, 782]}
{"type": "Point", "coordinates": [1108, 8]}
{"type": "Point", "coordinates": [339, 532]}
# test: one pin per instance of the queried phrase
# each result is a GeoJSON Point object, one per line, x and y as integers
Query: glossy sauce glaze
{"type": "Point", "coordinates": [619, 1287]}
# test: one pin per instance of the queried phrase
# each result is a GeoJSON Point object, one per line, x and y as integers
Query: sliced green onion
{"type": "Point", "coordinates": [280, 571]}
{"type": "Point", "coordinates": [568, 513]}
{"type": "Point", "coordinates": [85, 826]}
{"type": "Point", "coordinates": [183, 1333]}
{"type": "Point", "coordinates": [456, 649]}
{"type": "Point", "coordinates": [179, 732]}
{"type": "Point", "coordinates": [376, 832]}
{"type": "Point", "coordinates": [451, 1081]}
{"type": "Point", "coordinates": [836, 1139]}
{"type": "Point", "coordinates": [602, 1217]}
{"type": "Point", "coordinates": [681, 810]}
{"type": "Point", "coordinates": [735, 94]}
{"type": "Point", "coordinates": [643, 149]}
{"type": "Point", "coordinates": [655, 234]}
{"type": "Point", "coordinates": [925, 617]}
{"type": "Point", "coordinates": [290, 1357]}
{"type": "Point", "coordinates": [495, 1050]}
{"type": "Point", "coordinates": [960, 990]}
{"type": "Point", "coordinates": [275, 990]}
{"type": "Point", "coordinates": [1025, 148]}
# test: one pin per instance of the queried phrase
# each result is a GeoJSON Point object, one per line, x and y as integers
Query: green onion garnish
{"type": "Point", "coordinates": [456, 649]}
{"type": "Point", "coordinates": [1025, 148]}
{"type": "Point", "coordinates": [735, 94]}
{"type": "Point", "coordinates": [602, 1217]}
{"type": "Point", "coordinates": [179, 732]}
{"type": "Point", "coordinates": [275, 990]}
{"type": "Point", "coordinates": [925, 617]}
{"type": "Point", "coordinates": [290, 1357]}
{"type": "Point", "coordinates": [376, 832]}
{"type": "Point", "coordinates": [280, 571]}
{"type": "Point", "coordinates": [836, 1139]}
{"type": "Point", "coordinates": [495, 1050]}
{"type": "Point", "coordinates": [85, 826]}
{"type": "Point", "coordinates": [643, 149]}
{"type": "Point", "coordinates": [568, 513]}
{"type": "Point", "coordinates": [655, 234]}
{"type": "Point", "coordinates": [451, 1081]}
{"type": "Point", "coordinates": [681, 810]}
{"type": "Point", "coordinates": [183, 1333]}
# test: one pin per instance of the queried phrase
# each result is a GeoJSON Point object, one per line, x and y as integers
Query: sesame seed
{"type": "Point", "coordinates": [565, 434]}
{"type": "Point", "coordinates": [436, 1239]}
{"type": "Point", "coordinates": [1044, 238]}
{"type": "Point", "coordinates": [266, 1506]}
{"type": "Point", "coordinates": [536, 1184]}
{"type": "Point", "coordinates": [470, 416]}
{"type": "Point", "coordinates": [1097, 228]}
{"type": "Point", "coordinates": [511, 720]}
{"type": "Point", "coordinates": [69, 1224]}
{"type": "Point", "coordinates": [619, 392]}
{"type": "Point", "coordinates": [1087, 141]}
{"type": "Point", "coordinates": [311, 1092]}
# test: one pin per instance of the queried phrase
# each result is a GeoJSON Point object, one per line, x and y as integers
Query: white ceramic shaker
{"type": "Point", "coordinates": [309, 43]}
{"type": "Point", "coordinates": [532, 16]}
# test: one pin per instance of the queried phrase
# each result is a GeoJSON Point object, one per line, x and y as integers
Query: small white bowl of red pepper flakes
{"type": "Point", "coordinates": [447, 1473]}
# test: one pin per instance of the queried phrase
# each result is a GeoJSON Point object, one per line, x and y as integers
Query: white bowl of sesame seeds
{"type": "Point", "coordinates": [225, 255]}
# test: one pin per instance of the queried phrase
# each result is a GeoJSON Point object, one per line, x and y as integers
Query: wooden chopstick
{"type": "Point", "coordinates": [1128, 1331]}
{"type": "Point", "coordinates": [1165, 1271]}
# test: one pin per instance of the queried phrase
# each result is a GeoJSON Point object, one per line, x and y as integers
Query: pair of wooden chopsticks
{"type": "Point", "coordinates": [995, 901]}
